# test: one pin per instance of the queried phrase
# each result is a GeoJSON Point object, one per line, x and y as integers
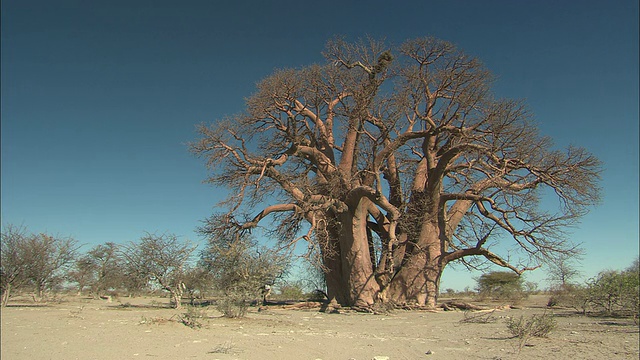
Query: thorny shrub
{"type": "Point", "coordinates": [533, 326]}
{"type": "Point", "coordinates": [233, 306]}
{"type": "Point", "coordinates": [193, 317]}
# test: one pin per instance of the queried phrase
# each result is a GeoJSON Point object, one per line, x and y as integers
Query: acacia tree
{"type": "Point", "coordinates": [393, 163]}
{"type": "Point", "coordinates": [47, 259]}
{"type": "Point", "coordinates": [102, 268]}
{"type": "Point", "coordinates": [239, 267]}
{"type": "Point", "coordinates": [109, 268]}
{"type": "Point", "coordinates": [161, 259]}
{"type": "Point", "coordinates": [197, 282]}
{"type": "Point", "coordinates": [13, 266]}
{"type": "Point", "coordinates": [83, 273]}
{"type": "Point", "coordinates": [563, 271]}
{"type": "Point", "coordinates": [501, 285]}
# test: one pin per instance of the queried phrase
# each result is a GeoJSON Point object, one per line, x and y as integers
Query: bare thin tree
{"type": "Point", "coordinates": [109, 268]}
{"type": "Point", "coordinates": [82, 273]}
{"type": "Point", "coordinates": [393, 162]}
{"type": "Point", "coordinates": [162, 259]}
{"type": "Point", "coordinates": [13, 266]}
{"type": "Point", "coordinates": [563, 271]}
{"type": "Point", "coordinates": [48, 258]}
{"type": "Point", "coordinates": [240, 267]}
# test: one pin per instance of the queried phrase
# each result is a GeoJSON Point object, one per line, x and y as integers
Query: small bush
{"type": "Point", "coordinates": [317, 295]}
{"type": "Point", "coordinates": [224, 348]}
{"type": "Point", "coordinates": [232, 306]}
{"type": "Point", "coordinates": [569, 295]}
{"type": "Point", "coordinates": [77, 313]}
{"type": "Point", "coordinates": [615, 292]}
{"type": "Point", "coordinates": [533, 326]}
{"type": "Point", "coordinates": [153, 320]}
{"type": "Point", "coordinates": [292, 291]}
{"type": "Point", "coordinates": [194, 317]}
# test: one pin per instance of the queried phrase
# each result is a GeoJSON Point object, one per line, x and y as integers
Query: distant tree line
{"type": "Point", "coordinates": [610, 292]}
{"type": "Point", "coordinates": [235, 267]}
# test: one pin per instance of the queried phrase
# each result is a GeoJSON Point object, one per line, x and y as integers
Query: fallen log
{"type": "Point", "coordinates": [303, 305]}
{"type": "Point", "coordinates": [453, 305]}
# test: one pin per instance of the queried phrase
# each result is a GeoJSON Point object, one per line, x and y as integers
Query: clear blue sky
{"type": "Point", "coordinates": [99, 98]}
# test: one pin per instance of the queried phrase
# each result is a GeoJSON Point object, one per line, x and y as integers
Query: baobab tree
{"type": "Point", "coordinates": [393, 162]}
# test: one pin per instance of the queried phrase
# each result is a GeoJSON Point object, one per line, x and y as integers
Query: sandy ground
{"type": "Point", "coordinates": [81, 328]}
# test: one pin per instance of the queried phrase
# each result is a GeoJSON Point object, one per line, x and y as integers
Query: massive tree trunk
{"type": "Point", "coordinates": [345, 247]}
{"type": "Point", "coordinates": [418, 280]}
{"type": "Point", "coordinates": [356, 257]}
{"type": "Point", "coordinates": [328, 233]}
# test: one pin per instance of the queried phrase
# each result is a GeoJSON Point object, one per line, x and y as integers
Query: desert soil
{"type": "Point", "coordinates": [139, 328]}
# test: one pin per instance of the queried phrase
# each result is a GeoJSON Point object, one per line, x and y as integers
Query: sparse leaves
{"type": "Point", "coordinates": [194, 317]}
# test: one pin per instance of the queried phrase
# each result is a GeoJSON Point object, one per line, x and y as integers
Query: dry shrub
{"type": "Point", "coordinates": [153, 320]}
{"type": "Point", "coordinates": [233, 306]}
{"type": "Point", "coordinates": [482, 318]}
{"type": "Point", "coordinates": [570, 295]}
{"type": "Point", "coordinates": [533, 326]}
{"type": "Point", "coordinates": [224, 348]}
{"type": "Point", "coordinates": [194, 317]}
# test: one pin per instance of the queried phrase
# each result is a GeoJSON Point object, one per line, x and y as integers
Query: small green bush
{"type": "Point", "coordinates": [571, 296]}
{"type": "Point", "coordinates": [615, 292]}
